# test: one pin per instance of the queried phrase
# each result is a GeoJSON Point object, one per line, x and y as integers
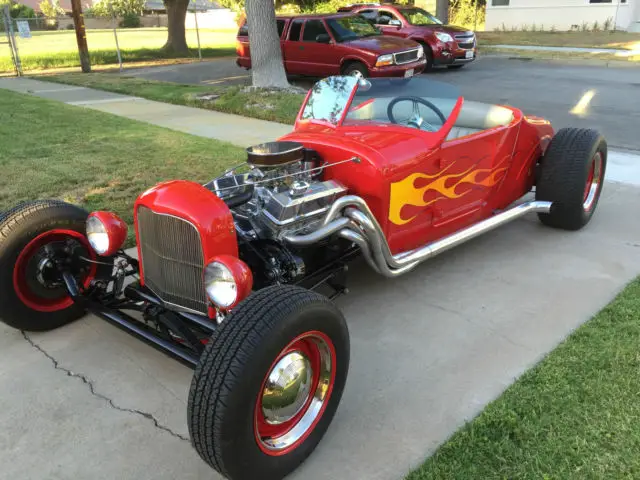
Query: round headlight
{"type": "Point", "coordinates": [227, 281]}
{"type": "Point", "coordinates": [106, 233]}
{"type": "Point", "coordinates": [97, 235]}
{"type": "Point", "coordinates": [220, 284]}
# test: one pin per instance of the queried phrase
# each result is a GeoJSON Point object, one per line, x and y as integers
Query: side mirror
{"type": "Point", "coordinates": [395, 23]}
{"type": "Point", "coordinates": [323, 38]}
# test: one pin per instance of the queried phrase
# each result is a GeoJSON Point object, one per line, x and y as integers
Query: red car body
{"type": "Point", "coordinates": [422, 186]}
{"type": "Point", "coordinates": [303, 55]}
{"type": "Point", "coordinates": [444, 44]}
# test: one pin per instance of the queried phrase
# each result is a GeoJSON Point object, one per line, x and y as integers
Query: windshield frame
{"type": "Point", "coordinates": [403, 12]}
{"type": "Point", "coordinates": [339, 39]}
{"type": "Point", "coordinates": [403, 87]}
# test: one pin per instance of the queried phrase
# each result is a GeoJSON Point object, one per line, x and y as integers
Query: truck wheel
{"type": "Point", "coordinates": [356, 69]}
{"type": "Point", "coordinates": [268, 383]}
{"type": "Point", "coordinates": [428, 55]}
{"type": "Point", "coordinates": [571, 176]}
{"type": "Point", "coordinates": [33, 236]}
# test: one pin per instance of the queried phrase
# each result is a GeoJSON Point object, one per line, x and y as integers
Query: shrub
{"type": "Point", "coordinates": [289, 8]}
{"type": "Point", "coordinates": [463, 13]}
{"type": "Point", "coordinates": [51, 8]}
{"type": "Point", "coordinates": [19, 10]}
{"type": "Point", "coordinates": [130, 20]}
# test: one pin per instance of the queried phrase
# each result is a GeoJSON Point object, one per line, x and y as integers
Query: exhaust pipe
{"type": "Point", "coordinates": [373, 243]}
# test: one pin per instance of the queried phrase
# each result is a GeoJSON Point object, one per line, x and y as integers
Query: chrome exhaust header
{"type": "Point", "coordinates": [352, 219]}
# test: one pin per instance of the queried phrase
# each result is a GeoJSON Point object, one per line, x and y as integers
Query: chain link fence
{"type": "Point", "coordinates": [42, 43]}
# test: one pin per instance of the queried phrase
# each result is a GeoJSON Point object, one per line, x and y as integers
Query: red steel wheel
{"type": "Point", "coordinates": [36, 238]}
{"type": "Point", "coordinates": [295, 393]}
{"type": "Point", "coordinates": [34, 274]}
{"type": "Point", "coordinates": [571, 177]}
{"type": "Point", "coordinates": [594, 182]}
{"type": "Point", "coordinates": [268, 384]}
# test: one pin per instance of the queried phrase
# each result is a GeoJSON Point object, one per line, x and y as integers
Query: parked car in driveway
{"type": "Point", "coordinates": [347, 44]}
{"type": "Point", "coordinates": [443, 44]}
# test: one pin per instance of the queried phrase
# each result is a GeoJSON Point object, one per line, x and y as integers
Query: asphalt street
{"type": "Point", "coordinates": [549, 90]}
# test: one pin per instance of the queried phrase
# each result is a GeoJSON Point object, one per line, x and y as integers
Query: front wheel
{"type": "Point", "coordinates": [571, 176]}
{"type": "Point", "coordinates": [356, 69]}
{"type": "Point", "coordinates": [269, 383]}
{"type": "Point", "coordinates": [38, 240]}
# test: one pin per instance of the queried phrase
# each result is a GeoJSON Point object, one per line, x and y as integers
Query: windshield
{"type": "Point", "coordinates": [418, 16]}
{"type": "Point", "coordinates": [417, 102]}
{"type": "Point", "coordinates": [351, 28]}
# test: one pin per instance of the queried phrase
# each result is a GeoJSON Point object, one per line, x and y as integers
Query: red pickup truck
{"type": "Point", "coordinates": [339, 43]}
{"type": "Point", "coordinates": [443, 44]}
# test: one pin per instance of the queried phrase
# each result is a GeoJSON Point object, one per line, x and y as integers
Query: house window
{"type": "Point", "coordinates": [499, 3]}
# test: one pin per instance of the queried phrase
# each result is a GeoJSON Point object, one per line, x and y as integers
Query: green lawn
{"type": "Point", "coordinates": [274, 106]}
{"type": "Point", "coordinates": [98, 160]}
{"type": "Point", "coordinates": [574, 416]}
{"type": "Point", "coordinates": [57, 49]}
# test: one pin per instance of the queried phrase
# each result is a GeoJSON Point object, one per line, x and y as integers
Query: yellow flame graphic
{"type": "Point", "coordinates": [405, 192]}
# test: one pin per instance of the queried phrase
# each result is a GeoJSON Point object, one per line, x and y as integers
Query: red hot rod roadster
{"type": "Point", "coordinates": [235, 277]}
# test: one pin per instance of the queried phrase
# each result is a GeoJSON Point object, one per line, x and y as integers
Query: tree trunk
{"type": "Point", "coordinates": [176, 16]}
{"type": "Point", "coordinates": [266, 54]}
{"type": "Point", "coordinates": [442, 11]}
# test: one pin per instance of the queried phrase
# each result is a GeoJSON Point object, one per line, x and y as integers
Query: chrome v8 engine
{"type": "Point", "coordinates": [282, 192]}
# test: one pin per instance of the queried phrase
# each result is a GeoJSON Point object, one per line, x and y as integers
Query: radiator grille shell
{"type": "Point", "coordinates": [172, 259]}
{"type": "Point", "coordinates": [406, 57]}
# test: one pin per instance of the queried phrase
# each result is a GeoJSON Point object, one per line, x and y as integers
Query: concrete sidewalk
{"type": "Point", "coordinates": [614, 51]}
{"type": "Point", "coordinates": [241, 131]}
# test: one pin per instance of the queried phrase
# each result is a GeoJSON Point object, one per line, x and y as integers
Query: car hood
{"type": "Point", "coordinates": [453, 29]}
{"type": "Point", "coordinates": [380, 44]}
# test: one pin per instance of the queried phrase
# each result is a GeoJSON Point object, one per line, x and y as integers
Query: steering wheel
{"type": "Point", "coordinates": [416, 119]}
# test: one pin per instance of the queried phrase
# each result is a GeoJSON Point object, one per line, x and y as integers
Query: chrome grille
{"type": "Point", "coordinates": [172, 259]}
{"type": "Point", "coordinates": [466, 40]}
{"type": "Point", "coordinates": [406, 57]}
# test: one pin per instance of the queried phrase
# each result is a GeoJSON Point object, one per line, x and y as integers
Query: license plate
{"type": "Point", "coordinates": [408, 73]}
{"type": "Point", "coordinates": [469, 54]}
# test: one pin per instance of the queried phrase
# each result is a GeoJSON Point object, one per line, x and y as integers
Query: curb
{"type": "Point", "coordinates": [565, 61]}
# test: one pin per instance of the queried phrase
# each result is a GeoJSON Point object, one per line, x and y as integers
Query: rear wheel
{"type": "Point", "coordinates": [571, 176]}
{"type": "Point", "coordinates": [268, 383]}
{"type": "Point", "coordinates": [356, 69]}
{"type": "Point", "coordinates": [36, 238]}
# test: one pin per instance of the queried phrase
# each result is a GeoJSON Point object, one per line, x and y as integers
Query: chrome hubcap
{"type": "Point", "coordinates": [287, 388]}
{"type": "Point", "coordinates": [593, 183]}
{"type": "Point", "coordinates": [295, 393]}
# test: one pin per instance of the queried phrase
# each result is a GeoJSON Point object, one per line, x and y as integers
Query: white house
{"type": "Point", "coordinates": [562, 14]}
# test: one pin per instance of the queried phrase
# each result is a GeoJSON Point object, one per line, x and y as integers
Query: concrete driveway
{"type": "Point", "coordinates": [429, 350]}
{"type": "Point", "coordinates": [550, 90]}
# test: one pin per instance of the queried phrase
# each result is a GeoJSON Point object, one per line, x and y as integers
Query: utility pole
{"type": "Point", "coordinates": [81, 35]}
